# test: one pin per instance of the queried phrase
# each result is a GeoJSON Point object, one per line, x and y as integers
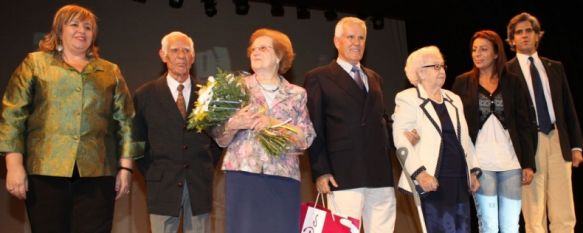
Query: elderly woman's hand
{"type": "Point", "coordinates": [245, 118]}
{"type": "Point", "coordinates": [412, 136]}
{"type": "Point", "coordinates": [427, 182]}
{"type": "Point", "coordinates": [261, 121]}
{"type": "Point", "coordinates": [16, 179]}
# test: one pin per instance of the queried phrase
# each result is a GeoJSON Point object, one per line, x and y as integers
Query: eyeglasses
{"type": "Point", "coordinates": [261, 48]}
{"type": "Point", "coordinates": [436, 66]}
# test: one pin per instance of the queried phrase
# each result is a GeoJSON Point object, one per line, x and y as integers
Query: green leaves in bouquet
{"type": "Point", "coordinates": [218, 99]}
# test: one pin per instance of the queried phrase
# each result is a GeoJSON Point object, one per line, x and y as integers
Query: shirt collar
{"type": "Point", "coordinates": [173, 84]}
{"type": "Point", "coordinates": [523, 58]}
{"type": "Point", "coordinates": [93, 65]}
{"type": "Point", "coordinates": [346, 65]}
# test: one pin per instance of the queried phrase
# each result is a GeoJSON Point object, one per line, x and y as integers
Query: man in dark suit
{"type": "Point", "coordinates": [559, 135]}
{"type": "Point", "coordinates": [177, 164]}
{"type": "Point", "coordinates": [349, 157]}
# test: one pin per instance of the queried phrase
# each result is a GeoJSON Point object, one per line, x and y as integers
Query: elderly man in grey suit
{"type": "Point", "coordinates": [177, 164]}
{"type": "Point", "coordinates": [559, 135]}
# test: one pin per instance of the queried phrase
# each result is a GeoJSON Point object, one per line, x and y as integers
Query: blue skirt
{"type": "Point", "coordinates": [447, 210]}
{"type": "Point", "coordinates": [261, 203]}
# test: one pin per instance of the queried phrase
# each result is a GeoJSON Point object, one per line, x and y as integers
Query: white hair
{"type": "Point", "coordinates": [416, 60]}
{"type": "Point", "coordinates": [167, 37]}
{"type": "Point", "coordinates": [339, 30]}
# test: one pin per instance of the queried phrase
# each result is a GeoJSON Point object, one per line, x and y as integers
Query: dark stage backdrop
{"type": "Point", "coordinates": [130, 33]}
{"type": "Point", "coordinates": [450, 24]}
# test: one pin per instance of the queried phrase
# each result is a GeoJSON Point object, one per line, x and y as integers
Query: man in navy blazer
{"type": "Point", "coordinates": [559, 135]}
{"type": "Point", "coordinates": [178, 164]}
{"type": "Point", "coordinates": [349, 156]}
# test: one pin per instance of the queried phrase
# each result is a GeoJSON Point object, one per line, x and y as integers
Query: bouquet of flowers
{"type": "Point", "coordinates": [222, 96]}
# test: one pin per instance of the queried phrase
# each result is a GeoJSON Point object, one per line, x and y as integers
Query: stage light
{"type": "Point", "coordinates": [210, 7]}
{"type": "Point", "coordinates": [176, 3]}
{"type": "Point", "coordinates": [303, 13]}
{"type": "Point", "coordinates": [276, 8]}
{"type": "Point", "coordinates": [378, 22]}
{"type": "Point", "coordinates": [331, 15]}
{"type": "Point", "coordinates": [302, 9]}
{"type": "Point", "coordinates": [241, 7]}
{"type": "Point", "coordinates": [362, 16]}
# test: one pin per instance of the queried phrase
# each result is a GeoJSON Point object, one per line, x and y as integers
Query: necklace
{"type": "Point", "coordinates": [267, 90]}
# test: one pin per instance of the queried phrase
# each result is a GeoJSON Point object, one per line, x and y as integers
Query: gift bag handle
{"type": "Point", "coordinates": [330, 197]}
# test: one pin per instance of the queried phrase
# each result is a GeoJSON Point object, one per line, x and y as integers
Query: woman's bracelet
{"type": "Point", "coordinates": [126, 168]}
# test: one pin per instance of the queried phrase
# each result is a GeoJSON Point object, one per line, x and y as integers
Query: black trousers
{"type": "Point", "coordinates": [70, 205]}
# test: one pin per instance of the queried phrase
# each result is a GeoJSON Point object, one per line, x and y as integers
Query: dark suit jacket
{"type": "Point", "coordinates": [516, 112]}
{"type": "Point", "coordinates": [352, 141]}
{"type": "Point", "coordinates": [566, 116]}
{"type": "Point", "coordinates": [173, 155]}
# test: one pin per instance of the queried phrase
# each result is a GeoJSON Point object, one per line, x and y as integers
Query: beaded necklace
{"type": "Point", "coordinates": [267, 90]}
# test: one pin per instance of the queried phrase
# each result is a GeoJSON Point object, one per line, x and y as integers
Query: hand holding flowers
{"type": "Point", "coordinates": [224, 98]}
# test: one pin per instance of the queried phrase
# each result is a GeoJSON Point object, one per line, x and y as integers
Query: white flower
{"type": "Point", "coordinates": [205, 95]}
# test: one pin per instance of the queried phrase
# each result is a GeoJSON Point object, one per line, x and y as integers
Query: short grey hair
{"type": "Point", "coordinates": [339, 30]}
{"type": "Point", "coordinates": [167, 37]}
{"type": "Point", "coordinates": [416, 60]}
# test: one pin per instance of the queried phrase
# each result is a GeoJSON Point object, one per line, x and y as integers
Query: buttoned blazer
{"type": "Point", "coordinates": [413, 110]}
{"type": "Point", "coordinates": [567, 122]}
{"type": "Point", "coordinates": [173, 155]}
{"type": "Point", "coordinates": [517, 120]}
{"type": "Point", "coordinates": [352, 141]}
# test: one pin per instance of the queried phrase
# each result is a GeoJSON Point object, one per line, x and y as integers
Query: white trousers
{"type": "Point", "coordinates": [376, 207]}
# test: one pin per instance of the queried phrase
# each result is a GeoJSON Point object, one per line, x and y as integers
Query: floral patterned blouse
{"type": "Point", "coordinates": [245, 152]}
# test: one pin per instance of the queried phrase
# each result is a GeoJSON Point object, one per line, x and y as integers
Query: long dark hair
{"type": "Point", "coordinates": [498, 46]}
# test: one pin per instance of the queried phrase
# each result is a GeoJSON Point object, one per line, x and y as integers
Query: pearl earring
{"type": "Point", "coordinates": [59, 48]}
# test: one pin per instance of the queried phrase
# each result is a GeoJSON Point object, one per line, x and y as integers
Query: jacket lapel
{"type": "Point", "coordinates": [284, 92]}
{"type": "Point", "coordinates": [431, 114]}
{"type": "Point", "coordinates": [514, 67]}
{"type": "Point", "coordinates": [345, 82]}
{"type": "Point", "coordinates": [551, 72]}
{"type": "Point", "coordinates": [166, 100]}
{"type": "Point", "coordinates": [428, 109]}
{"type": "Point", "coordinates": [453, 112]}
{"type": "Point", "coordinates": [193, 96]}
{"type": "Point", "coordinates": [374, 89]}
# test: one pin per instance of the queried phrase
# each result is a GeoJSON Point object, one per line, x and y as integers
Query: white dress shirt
{"type": "Point", "coordinates": [173, 84]}
{"type": "Point", "coordinates": [525, 67]}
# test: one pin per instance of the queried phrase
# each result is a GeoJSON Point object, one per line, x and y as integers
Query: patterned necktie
{"type": "Point", "coordinates": [180, 103]}
{"type": "Point", "coordinates": [542, 110]}
{"type": "Point", "coordinates": [358, 78]}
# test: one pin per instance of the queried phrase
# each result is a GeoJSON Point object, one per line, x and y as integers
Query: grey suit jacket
{"type": "Point", "coordinates": [566, 121]}
{"type": "Point", "coordinates": [173, 155]}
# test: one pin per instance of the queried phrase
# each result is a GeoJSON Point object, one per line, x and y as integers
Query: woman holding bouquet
{"type": "Point", "coordinates": [262, 190]}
